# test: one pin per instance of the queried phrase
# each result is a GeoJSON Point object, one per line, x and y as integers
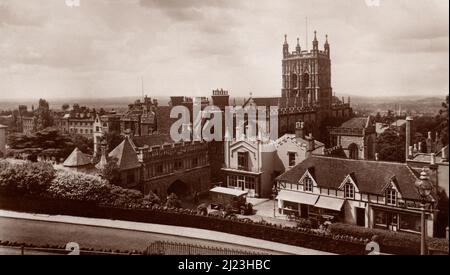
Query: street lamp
{"type": "Point", "coordinates": [424, 189]}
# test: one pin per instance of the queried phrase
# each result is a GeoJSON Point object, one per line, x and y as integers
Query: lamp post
{"type": "Point", "coordinates": [424, 189]}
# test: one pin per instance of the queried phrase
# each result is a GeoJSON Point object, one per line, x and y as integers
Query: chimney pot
{"type": "Point", "coordinates": [410, 151]}
{"type": "Point", "coordinates": [377, 156]}
{"type": "Point", "coordinates": [429, 135]}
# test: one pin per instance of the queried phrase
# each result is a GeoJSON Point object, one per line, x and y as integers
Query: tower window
{"type": "Point", "coordinates": [294, 81]}
{"type": "Point", "coordinates": [305, 81]}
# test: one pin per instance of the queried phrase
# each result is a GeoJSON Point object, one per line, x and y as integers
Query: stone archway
{"type": "Point", "coordinates": [180, 188]}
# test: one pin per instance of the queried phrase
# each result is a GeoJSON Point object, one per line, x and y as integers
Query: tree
{"type": "Point", "coordinates": [111, 172]}
{"type": "Point", "coordinates": [65, 107]}
{"type": "Point", "coordinates": [26, 178]}
{"type": "Point", "coordinates": [113, 139]}
{"type": "Point", "coordinates": [83, 143]}
{"type": "Point", "coordinates": [391, 146]}
{"type": "Point", "coordinates": [43, 116]}
{"type": "Point", "coordinates": [443, 122]}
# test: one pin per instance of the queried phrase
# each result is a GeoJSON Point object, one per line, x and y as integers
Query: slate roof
{"type": "Point", "coordinates": [77, 159]}
{"type": "Point", "coordinates": [263, 101]}
{"type": "Point", "coordinates": [125, 155]}
{"type": "Point", "coordinates": [370, 176]}
{"type": "Point", "coordinates": [151, 140]}
{"type": "Point", "coordinates": [355, 123]}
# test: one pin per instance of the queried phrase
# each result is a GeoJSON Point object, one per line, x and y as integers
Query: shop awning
{"type": "Point", "coordinates": [297, 197]}
{"type": "Point", "coordinates": [330, 203]}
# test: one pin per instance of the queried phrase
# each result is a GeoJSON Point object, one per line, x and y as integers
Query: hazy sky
{"type": "Point", "coordinates": [189, 47]}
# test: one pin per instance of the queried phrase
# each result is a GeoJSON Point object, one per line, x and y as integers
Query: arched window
{"type": "Point", "coordinates": [353, 151]}
{"type": "Point", "coordinates": [349, 191]}
{"type": "Point", "coordinates": [307, 185]}
{"type": "Point", "coordinates": [294, 81]}
{"type": "Point", "coordinates": [305, 80]}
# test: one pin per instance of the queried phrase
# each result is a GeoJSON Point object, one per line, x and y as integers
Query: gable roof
{"type": "Point", "coordinates": [77, 159]}
{"type": "Point", "coordinates": [125, 155]}
{"type": "Point", "coordinates": [356, 123]}
{"type": "Point", "coordinates": [151, 140]}
{"type": "Point", "coordinates": [370, 176]}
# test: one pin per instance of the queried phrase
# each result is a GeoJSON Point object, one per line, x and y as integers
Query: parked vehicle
{"type": "Point", "coordinates": [232, 200]}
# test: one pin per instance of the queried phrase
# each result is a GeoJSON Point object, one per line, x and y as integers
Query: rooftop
{"type": "Point", "coordinates": [369, 176]}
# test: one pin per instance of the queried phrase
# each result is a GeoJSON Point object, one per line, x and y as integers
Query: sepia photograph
{"type": "Point", "coordinates": [227, 128]}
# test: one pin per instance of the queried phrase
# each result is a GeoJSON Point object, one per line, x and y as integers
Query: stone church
{"type": "Point", "coordinates": [307, 94]}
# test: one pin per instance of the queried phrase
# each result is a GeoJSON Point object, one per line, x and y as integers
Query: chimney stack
{"type": "Point", "coordinates": [432, 159]}
{"type": "Point", "coordinates": [311, 143]}
{"type": "Point", "coordinates": [408, 136]}
{"type": "Point", "coordinates": [444, 155]}
{"type": "Point", "coordinates": [300, 129]}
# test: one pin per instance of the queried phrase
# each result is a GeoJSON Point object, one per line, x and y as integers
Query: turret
{"type": "Point", "coordinates": [327, 46]}
{"type": "Point", "coordinates": [297, 48]}
{"type": "Point", "coordinates": [285, 47]}
{"type": "Point", "coordinates": [315, 42]}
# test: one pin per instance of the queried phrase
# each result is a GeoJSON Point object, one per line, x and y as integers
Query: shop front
{"type": "Point", "coordinates": [395, 220]}
{"type": "Point", "coordinates": [305, 205]}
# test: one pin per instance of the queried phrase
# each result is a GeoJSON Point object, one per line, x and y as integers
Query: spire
{"type": "Point", "coordinates": [285, 47]}
{"type": "Point", "coordinates": [315, 42]}
{"type": "Point", "coordinates": [327, 46]}
{"type": "Point", "coordinates": [298, 49]}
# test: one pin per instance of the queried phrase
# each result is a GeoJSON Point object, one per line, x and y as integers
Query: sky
{"type": "Point", "coordinates": [105, 48]}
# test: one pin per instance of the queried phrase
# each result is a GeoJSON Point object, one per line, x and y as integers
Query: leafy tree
{"type": "Point", "coordinates": [391, 146]}
{"type": "Point", "coordinates": [442, 119]}
{"type": "Point", "coordinates": [26, 178]}
{"type": "Point", "coordinates": [43, 116]}
{"type": "Point", "coordinates": [65, 107]}
{"type": "Point", "coordinates": [111, 172]}
{"type": "Point", "coordinates": [83, 143]}
{"type": "Point", "coordinates": [113, 139]}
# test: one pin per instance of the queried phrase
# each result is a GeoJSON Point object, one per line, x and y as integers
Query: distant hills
{"type": "Point", "coordinates": [364, 102]}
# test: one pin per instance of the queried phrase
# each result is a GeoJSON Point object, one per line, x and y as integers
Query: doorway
{"type": "Point", "coordinates": [361, 216]}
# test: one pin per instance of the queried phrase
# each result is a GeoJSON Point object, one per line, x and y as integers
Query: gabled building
{"type": "Point", "coordinates": [366, 193]}
{"type": "Point", "coordinates": [127, 163]}
{"type": "Point", "coordinates": [357, 137]}
{"type": "Point", "coordinates": [252, 165]}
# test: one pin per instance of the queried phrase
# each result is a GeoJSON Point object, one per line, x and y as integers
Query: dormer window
{"type": "Point", "coordinates": [307, 184]}
{"type": "Point", "coordinates": [391, 196]}
{"type": "Point", "coordinates": [349, 191]}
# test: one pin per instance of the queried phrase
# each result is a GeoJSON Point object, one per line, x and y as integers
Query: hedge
{"type": "Point", "coordinates": [189, 218]}
{"type": "Point", "coordinates": [390, 241]}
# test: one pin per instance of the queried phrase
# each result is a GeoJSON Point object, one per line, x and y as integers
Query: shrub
{"type": "Point", "coordinates": [406, 242]}
{"type": "Point", "coordinates": [25, 178]}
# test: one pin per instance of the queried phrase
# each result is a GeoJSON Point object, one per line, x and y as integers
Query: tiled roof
{"type": "Point", "coordinates": [370, 176]}
{"type": "Point", "coordinates": [151, 140]}
{"type": "Point", "coordinates": [77, 159]}
{"type": "Point", "coordinates": [125, 155]}
{"type": "Point", "coordinates": [356, 122]}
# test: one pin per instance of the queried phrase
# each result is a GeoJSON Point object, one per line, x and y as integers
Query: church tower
{"type": "Point", "coordinates": [306, 76]}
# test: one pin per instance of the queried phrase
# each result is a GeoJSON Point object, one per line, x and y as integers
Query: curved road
{"type": "Point", "coordinates": [122, 235]}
